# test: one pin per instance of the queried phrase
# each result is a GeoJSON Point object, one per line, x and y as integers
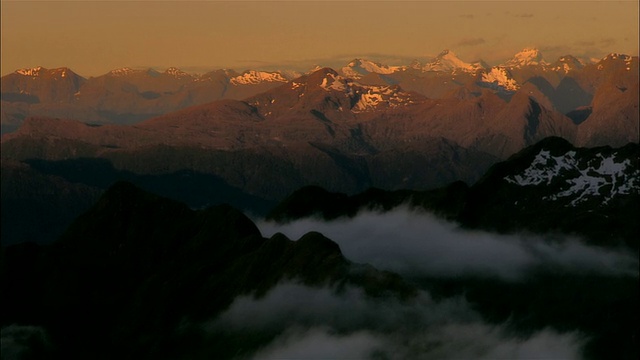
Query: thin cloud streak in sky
{"type": "Point", "coordinates": [217, 33]}
{"type": "Point", "coordinates": [471, 42]}
{"type": "Point", "coordinates": [414, 243]}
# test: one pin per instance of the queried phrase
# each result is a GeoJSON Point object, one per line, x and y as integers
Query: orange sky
{"type": "Point", "coordinates": [93, 37]}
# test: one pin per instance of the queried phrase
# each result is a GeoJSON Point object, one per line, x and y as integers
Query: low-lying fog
{"type": "Point", "coordinates": [320, 323]}
{"type": "Point", "coordinates": [416, 243]}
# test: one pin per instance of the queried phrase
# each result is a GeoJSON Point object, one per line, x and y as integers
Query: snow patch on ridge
{"type": "Point", "coordinates": [499, 77]}
{"type": "Point", "coordinates": [368, 97]}
{"type": "Point", "coordinates": [567, 63]}
{"type": "Point", "coordinates": [526, 57]}
{"type": "Point", "coordinates": [176, 72]}
{"type": "Point", "coordinates": [602, 176]}
{"type": "Point", "coordinates": [448, 61]}
{"type": "Point", "coordinates": [122, 71]}
{"type": "Point", "coordinates": [359, 67]}
{"type": "Point", "coordinates": [256, 77]}
{"type": "Point", "coordinates": [336, 82]}
{"type": "Point", "coordinates": [373, 96]}
{"type": "Point", "coordinates": [30, 71]}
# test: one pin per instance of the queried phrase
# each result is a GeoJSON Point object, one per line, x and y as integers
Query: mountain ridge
{"type": "Point", "coordinates": [127, 96]}
{"type": "Point", "coordinates": [539, 189]}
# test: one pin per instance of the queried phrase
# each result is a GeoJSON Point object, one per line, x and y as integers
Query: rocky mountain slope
{"type": "Point", "coordinates": [136, 275]}
{"type": "Point", "coordinates": [146, 277]}
{"type": "Point", "coordinates": [122, 96]}
{"type": "Point", "coordinates": [127, 96]}
{"type": "Point", "coordinates": [550, 187]}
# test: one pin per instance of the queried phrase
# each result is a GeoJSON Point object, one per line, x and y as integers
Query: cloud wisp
{"type": "Point", "coordinates": [321, 323]}
{"type": "Point", "coordinates": [471, 42]}
{"type": "Point", "coordinates": [415, 244]}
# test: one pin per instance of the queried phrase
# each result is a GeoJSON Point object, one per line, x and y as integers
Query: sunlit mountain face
{"type": "Point", "coordinates": [319, 180]}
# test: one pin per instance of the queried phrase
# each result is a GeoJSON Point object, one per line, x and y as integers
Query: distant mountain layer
{"type": "Point", "coordinates": [321, 129]}
{"type": "Point", "coordinates": [122, 96]}
{"type": "Point", "coordinates": [127, 96]}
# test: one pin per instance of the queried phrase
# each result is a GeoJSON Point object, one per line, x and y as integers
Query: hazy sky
{"type": "Point", "coordinates": [93, 37]}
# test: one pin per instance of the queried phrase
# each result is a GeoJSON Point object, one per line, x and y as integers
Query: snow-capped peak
{"type": "Point", "coordinates": [615, 56]}
{"type": "Point", "coordinates": [176, 72]}
{"type": "Point", "coordinates": [601, 176]}
{"type": "Point", "coordinates": [365, 97]}
{"type": "Point", "coordinates": [256, 77]}
{"type": "Point", "coordinates": [526, 57]}
{"type": "Point", "coordinates": [359, 67]}
{"type": "Point", "coordinates": [30, 71]}
{"type": "Point", "coordinates": [619, 59]}
{"type": "Point", "coordinates": [332, 81]}
{"type": "Point", "coordinates": [567, 63]}
{"type": "Point", "coordinates": [500, 78]}
{"type": "Point", "coordinates": [121, 72]}
{"type": "Point", "coordinates": [448, 61]}
{"type": "Point", "coordinates": [374, 97]}
{"type": "Point", "coordinates": [40, 71]}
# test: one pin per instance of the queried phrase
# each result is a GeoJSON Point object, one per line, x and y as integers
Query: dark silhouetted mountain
{"type": "Point", "coordinates": [137, 273]}
{"type": "Point", "coordinates": [38, 207]}
{"type": "Point", "coordinates": [313, 201]}
{"type": "Point", "coordinates": [41, 198]}
{"type": "Point", "coordinates": [550, 187]}
{"type": "Point", "coordinates": [553, 186]}
{"type": "Point", "coordinates": [141, 276]}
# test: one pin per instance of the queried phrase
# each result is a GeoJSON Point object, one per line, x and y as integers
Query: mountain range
{"type": "Point", "coordinates": [138, 275]}
{"type": "Point", "coordinates": [438, 209]}
{"type": "Point", "coordinates": [366, 125]}
{"type": "Point", "coordinates": [569, 86]}
{"type": "Point", "coordinates": [550, 187]}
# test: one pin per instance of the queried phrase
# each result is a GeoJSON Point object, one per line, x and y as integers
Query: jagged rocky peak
{"type": "Point", "coordinates": [321, 75]}
{"type": "Point", "coordinates": [257, 77]}
{"type": "Point", "coordinates": [567, 63]}
{"type": "Point", "coordinates": [580, 176]}
{"type": "Point", "coordinates": [30, 71]}
{"type": "Point", "coordinates": [359, 67]}
{"type": "Point", "coordinates": [499, 78]}
{"type": "Point", "coordinates": [176, 72]}
{"type": "Point", "coordinates": [526, 57]}
{"type": "Point", "coordinates": [448, 61]}
{"type": "Point", "coordinates": [363, 97]}
{"type": "Point", "coordinates": [618, 60]}
{"type": "Point", "coordinates": [122, 71]}
{"type": "Point", "coordinates": [39, 71]}
{"type": "Point", "coordinates": [616, 56]}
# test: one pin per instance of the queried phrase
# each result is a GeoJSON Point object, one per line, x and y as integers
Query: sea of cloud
{"type": "Point", "coordinates": [419, 244]}
{"type": "Point", "coordinates": [327, 323]}
{"type": "Point", "coordinates": [323, 323]}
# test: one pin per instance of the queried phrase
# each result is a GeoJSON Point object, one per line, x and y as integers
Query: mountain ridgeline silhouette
{"type": "Point", "coordinates": [144, 276]}
{"type": "Point", "coordinates": [135, 266]}
{"type": "Point", "coordinates": [589, 192]}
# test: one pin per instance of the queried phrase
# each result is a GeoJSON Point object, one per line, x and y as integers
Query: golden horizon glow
{"type": "Point", "coordinates": [94, 37]}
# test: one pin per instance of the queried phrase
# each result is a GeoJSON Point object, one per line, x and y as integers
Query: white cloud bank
{"type": "Point", "coordinates": [321, 323]}
{"type": "Point", "coordinates": [412, 243]}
